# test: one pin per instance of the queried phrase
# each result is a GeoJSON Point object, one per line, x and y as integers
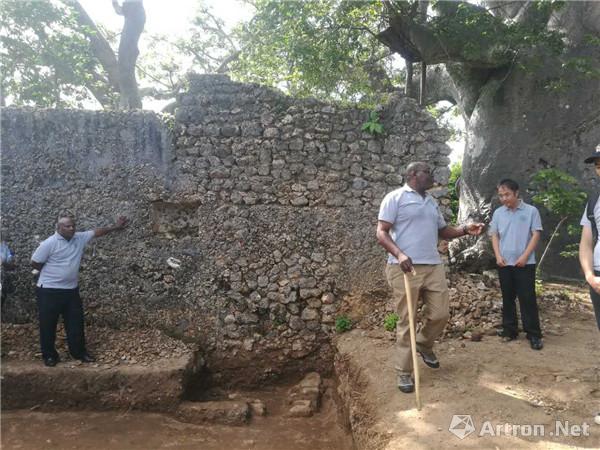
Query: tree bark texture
{"type": "Point", "coordinates": [515, 124]}
{"type": "Point", "coordinates": [135, 18]}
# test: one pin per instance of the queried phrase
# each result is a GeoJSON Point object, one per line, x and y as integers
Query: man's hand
{"type": "Point", "coordinates": [500, 261]}
{"type": "Point", "coordinates": [594, 282]}
{"type": "Point", "coordinates": [522, 261]}
{"type": "Point", "coordinates": [474, 229]}
{"type": "Point", "coordinates": [405, 263]}
{"type": "Point", "coordinates": [121, 223]}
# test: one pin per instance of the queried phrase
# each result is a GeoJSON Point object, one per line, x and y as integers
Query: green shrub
{"type": "Point", "coordinates": [390, 321]}
{"type": "Point", "coordinates": [343, 324]}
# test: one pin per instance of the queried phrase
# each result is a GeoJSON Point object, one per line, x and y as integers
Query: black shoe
{"type": "Point", "coordinates": [429, 358]}
{"type": "Point", "coordinates": [87, 358]}
{"type": "Point", "coordinates": [51, 361]}
{"type": "Point", "coordinates": [536, 343]}
{"type": "Point", "coordinates": [406, 383]}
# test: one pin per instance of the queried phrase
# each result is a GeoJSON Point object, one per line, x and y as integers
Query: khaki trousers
{"type": "Point", "coordinates": [430, 282]}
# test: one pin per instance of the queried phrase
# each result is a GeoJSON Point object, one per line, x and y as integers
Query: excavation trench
{"type": "Point", "coordinates": [177, 403]}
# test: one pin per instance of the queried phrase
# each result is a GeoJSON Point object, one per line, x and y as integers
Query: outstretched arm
{"type": "Point", "coordinates": [450, 232]}
{"type": "Point", "coordinates": [119, 225]}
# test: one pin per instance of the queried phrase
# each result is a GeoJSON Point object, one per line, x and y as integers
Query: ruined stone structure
{"type": "Point", "coordinates": [252, 214]}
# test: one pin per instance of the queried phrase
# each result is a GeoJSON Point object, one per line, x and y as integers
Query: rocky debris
{"type": "Point", "coordinates": [305, 397]}
{"type": "Point", "coordinates": [225, 412]}
{"type": "Point", "coordinates": [110, 347]}
{"type": "Point", "coordinates": [475, 306]}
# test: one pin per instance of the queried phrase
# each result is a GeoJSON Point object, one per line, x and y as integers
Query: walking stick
{"type": "Point", "coordinates": [413, 335]}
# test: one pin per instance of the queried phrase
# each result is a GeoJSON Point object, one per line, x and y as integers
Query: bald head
{"type": "Point", "coordinates": [414, 167]}
{"type": "Point", "coordinates": [66, 227]}
{"type": "Point", "coordinates": [418, 176]}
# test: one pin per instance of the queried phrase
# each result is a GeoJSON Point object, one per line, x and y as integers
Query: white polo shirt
{"type": "Point", "coordinates": [415, 224]}
{"type": "Point", "coordinates": [61, 260]}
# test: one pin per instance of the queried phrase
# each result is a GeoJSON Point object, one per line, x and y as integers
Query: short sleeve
{"type": "Point", "coordinates": [440, 220]}
{"type": "Point", "coordinates": [86, 236]}
{"type": "Point", "coordinates": [389, 208]}
{"type": "Point", "coordinates": [536, 222]}
{"type": "Point", "coordinates": [42, 253]}
{"type": "Point", "coordinates": [493, 229]}
{"type": "Point", "coordinates": [585, 222]}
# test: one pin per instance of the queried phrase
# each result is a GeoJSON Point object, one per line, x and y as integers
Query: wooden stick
{"type": "Point", "coordinates": [413, 336]}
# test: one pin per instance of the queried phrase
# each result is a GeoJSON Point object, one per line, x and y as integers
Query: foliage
{"type": "Point", "coordinates": [343, 324]}
{"type": "Point", "coordinates": [373, 126]}
{"type": "Point", "coordinates": [322, 48]}
{"type": "Point", "coordinates": [390, 321]}
{"type": "Point", "coordinates": [453, 189]}
{"type": "Point", "coordinates": [560, 194]}
{"type": "Point", "coordinates": [45, 56]}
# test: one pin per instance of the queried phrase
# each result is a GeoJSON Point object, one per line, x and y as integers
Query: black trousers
{"type": "Point", "coordinates": [596, 301]}
{"type": "Point", "coordinates": [52, 303]}
{"type": "Point", "coordinates": [519, 282]}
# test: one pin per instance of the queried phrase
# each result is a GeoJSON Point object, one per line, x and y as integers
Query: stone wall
{"type": "Point", "coordinates": [252, 214]}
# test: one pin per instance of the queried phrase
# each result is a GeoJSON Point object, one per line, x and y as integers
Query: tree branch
{"type": "Point", "coordinates": [100, 46]}
{"type": "Point", "coordinates": [424, 42]}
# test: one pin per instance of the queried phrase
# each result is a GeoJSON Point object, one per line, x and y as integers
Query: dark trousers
{"type": "Point", "coordinates": [53, 303]}
{"type": "Point", "coordinates": [519, 282]}
{"type": "Point", "coordinates": [596, 301]}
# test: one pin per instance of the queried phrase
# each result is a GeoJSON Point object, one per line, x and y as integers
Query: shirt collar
{"type": "Point", "coordinates": [520, 205]}
{"type": "Point", "coordinates": [58, 236]}
{"type": "Point", "coordinates": [407, 188]}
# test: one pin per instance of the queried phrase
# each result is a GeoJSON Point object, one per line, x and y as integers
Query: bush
{"type": "Point", "coordinates": [343, 324]}
{"type": "Point", "coordinates": [455, 173]}
{"type": "Point", "coordinates": [390, 321]}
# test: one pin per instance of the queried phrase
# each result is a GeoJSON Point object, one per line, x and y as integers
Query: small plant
{"type": "Point", "coordinates": [454, 189]}
{"type": "Point", "coordinates": [390, 321]}
{"type": "Point", "coordinates": [560, 194]}
{"type": "Point", "coordinates": [373, 126]}
{"type": "Point", "coordinates": [343, 324]}
{"type": "Point", "coordinates": [539, 285]}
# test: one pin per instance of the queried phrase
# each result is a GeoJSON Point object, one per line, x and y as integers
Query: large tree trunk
{"type": "Point", "coordinates": [515, 124]}
{"type": "Point", "coordinates": [135, 18]}
{"type": "Point", "coordinates": [519, 126]}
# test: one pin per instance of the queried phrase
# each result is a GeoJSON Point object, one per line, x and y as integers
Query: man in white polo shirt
{"type": "Point", "coordinates": [409, 226]}
{"type": "Point", "coordinates": [58, 259]}
{"type": "Point", "coordinates": [515, 229]}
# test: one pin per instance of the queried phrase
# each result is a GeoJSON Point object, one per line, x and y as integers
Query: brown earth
{"type": "Point", "coordinates": [502, 383]}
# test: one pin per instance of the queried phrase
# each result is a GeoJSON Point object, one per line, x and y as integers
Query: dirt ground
{"type": "Point", "coordinates": [506, 388]}
{"type": "Point", "coordinates": [515, 397]}
{"type": "Point", "coordinates": [29, 430]}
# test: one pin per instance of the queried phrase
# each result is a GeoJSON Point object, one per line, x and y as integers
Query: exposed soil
{"type": "Point", "coordinates": [25, 429]}
{"type": "Point", "coordinates": [503, 383]}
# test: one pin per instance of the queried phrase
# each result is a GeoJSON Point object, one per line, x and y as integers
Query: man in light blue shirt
{"type": "Point", "coordinates": [58, 259]}
{"type": "Point", "coordinates": [515, 230]}
{"type": "Point", "coordinates": [409, 226]}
